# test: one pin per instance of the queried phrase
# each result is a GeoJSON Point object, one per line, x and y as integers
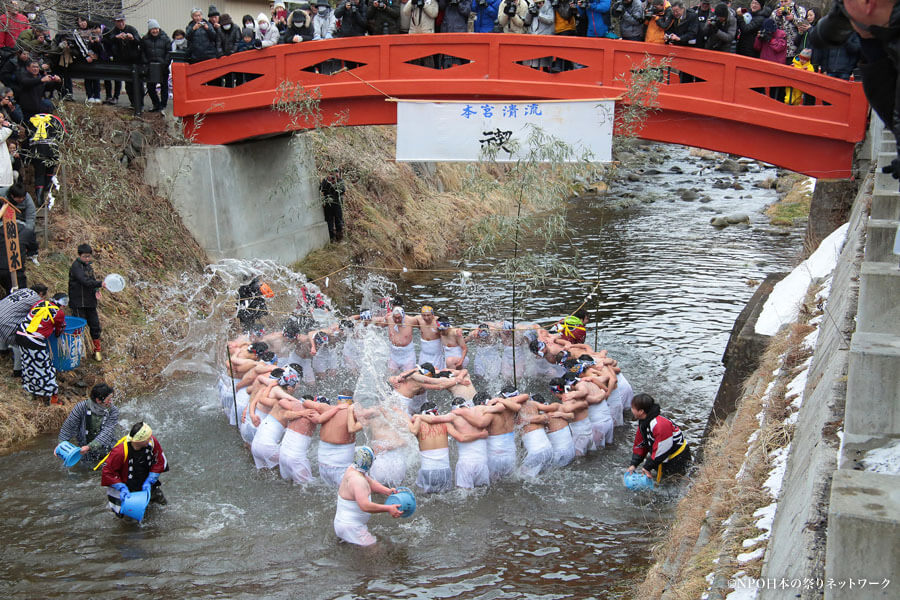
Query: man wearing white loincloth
{"type": "Point", "coordinates": [500, 419]}
{"type": "Point", "coordinates": [539, 452]}
{"type": "Point", "coordinates": [558, 433]}
{"type": "Point", "coordinates": [472, 463]}
{"type": "Point", "coordinates": [247, 424]}
{"type": "Point", "coordinates": [410, 387]}
{"type": "Point", "coordinates": [435, 475]}
{"type": "Point", "coordinates": [383, 424]}
{"type": "Point", "coordinates": [354, 500]}
{"type": "Point", "coordinates": [293, 459]}
{"type": "Point", "coordinates": [454, 343]}
{"type": "Point", "coordinates": [267, 441]}
{"type": "Point", "coordinates": [336, 442]}
{"type": "Point", "coordinates": [400, 333]}
{"type": "Point", "coordinates": [432, 350]}
{"type": "Point", "coordinates": [582, 432]}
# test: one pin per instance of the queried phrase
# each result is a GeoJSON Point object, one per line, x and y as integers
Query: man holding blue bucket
{"type": "Point", "coordinates": [134, 465]}
{"type": "Point", "coordinates": [92, 424]}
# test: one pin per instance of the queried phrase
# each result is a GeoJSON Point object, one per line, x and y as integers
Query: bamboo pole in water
{"type": "Point", "coordinates": [515, 257]}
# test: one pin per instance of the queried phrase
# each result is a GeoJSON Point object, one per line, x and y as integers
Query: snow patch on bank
{"type": "Point", "coordinates": [783, 303]}
{"type": "Point", "coordinates": [884, 460]}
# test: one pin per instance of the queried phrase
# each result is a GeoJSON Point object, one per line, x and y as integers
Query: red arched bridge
{"type": "Point", "coordinates": [727, 107]}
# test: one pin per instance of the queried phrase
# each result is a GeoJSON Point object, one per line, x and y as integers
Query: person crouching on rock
{"type": "Point", "coordinates": [658, 440]}
{"type": "Point", "coordinates": [134, 465]}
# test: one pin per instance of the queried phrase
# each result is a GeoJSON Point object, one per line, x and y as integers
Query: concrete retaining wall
{"type": "Point", "coordinates": [251, 200]}
{"type": "Point", "coordinates": [834, 521]}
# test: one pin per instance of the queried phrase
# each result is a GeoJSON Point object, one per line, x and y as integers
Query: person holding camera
{"type": "Point", "coordinates": [299, 28]}
{"type": "Point", "coordinates": [705, 14]}
{"type": "Point", "coordinates": [749, 23]}
{"type": "Point", "coordinates": [456, 19]}
{"type": "Point", "coordinates": [422, 14]}
{"type": "Point", "coordinates": [771, 43]}
{"type": "Point", "coordinates": [511, 15]}
{"type": "Point", "coordinates": [33, 83]}
{"type": "Point", "coordinates": [486, 13]}
{"type": "Point", "coordinates": [684, 30]}
{"type": "Point", "coordinates": [352, 15]}
{"type": "Point", "coordinates": [202, 38]}
{"type": "Point", "coordinates": [384, 17]}
{"type": "Point", "coordinates": [659, 18]}
{"type": "Point", "coordinates": [630, 14]}
{"type": "Point", "coordinates": [155, 45]}
{"type": "Point", "coordinates": [721, 31]}
{"type": "Point", "coordinates": [596, 15]}
{"type": "Point", "coordinates": [787, 17]}
{"type": "Point", "coordinates": [540, 21]}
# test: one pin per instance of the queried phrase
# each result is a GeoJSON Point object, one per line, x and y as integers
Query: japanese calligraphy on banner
{"type": "Point", "coordinates": [463, 131]}
{"type": "Point", "coordinates": [11, 236]}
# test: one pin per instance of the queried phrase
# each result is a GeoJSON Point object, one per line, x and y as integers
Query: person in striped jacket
{"type": "Point", "coordinates": [658, 442]}
{"type": "Point", "coordinates": [92, 424]}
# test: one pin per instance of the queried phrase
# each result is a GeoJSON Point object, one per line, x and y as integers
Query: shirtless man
{"type": "Point", "coordinates": [432, 350]}
{"type": "Point", "coordinates": [354, 500]}
{"type": "Point", "coordinates": [500, 420]}
{"type": "Point", "coordinates": [325, 362]}
{"type": "Point", "coordinates": [336, 441]}
{"type": "Point", "coordinates": [293, 459]}
{"type": "Point", "coordinates": [454, 344]}
{"type": "Point", "coordinates": [410, 387]}
{"type": "Point", "coordinates": [604, 373]}
{"type": "Point", "coordinates": [598, 411]}
{"type": "Point", "coordinates": [582, 432]}
{"type": "Point", "coordinates": [539, 451]}
{"type": "Point", "coordinates": [487, 359]}
{"type": "Point", "coordinates": [267, 441]}
{"type": "Point", "coordinates": [245, 395]}
{"type": "Point", "coordinates": [382, 429]}
{"type": "Point", "coordinates": [558, 432]}
{"type": "Point", "coordinates": [400, 333]}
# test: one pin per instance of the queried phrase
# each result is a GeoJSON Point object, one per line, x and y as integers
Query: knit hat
{"type": "Point", "coordinates": [213, 11]}
{"type": "Point", "coordinates": [152, 24]}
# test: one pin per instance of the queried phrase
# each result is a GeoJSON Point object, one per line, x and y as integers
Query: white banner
{"type": "Point", "coordinates": [464, 131]}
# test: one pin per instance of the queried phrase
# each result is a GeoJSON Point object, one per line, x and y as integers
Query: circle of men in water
{"type": "Point", "coordinates": [586, 395]}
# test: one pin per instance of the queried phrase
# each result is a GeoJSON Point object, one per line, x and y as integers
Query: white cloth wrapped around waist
{"type": "Point", "coordinates": [336, 455]}
{"type": "Point", "coordinates": [536, 441]}
{"type": "Point", "coordinates": [270, 431]}
{"type": "Point", "coordinates": [433, 460]}
{"type": "Point", "coordinates": [505, 443]}
{"type": "Point", "coordinates": [431, 349]}
{"type": "Point", "coordinates": [560, 438]}
{"type": "Point", "coordinates": [582, 427]}
{"type": "Point", "coordinates": [349, 513]}
{"type": "Point", "coordinates": [294, 443]}
{"type": "Point", "coordinates": [474, 451]}
{"type": "Point", "coordinates": [452, 351]}
{"type": "Point", "coordinates": [407, 351]}
{"type": "Point", "coordinates": [599, 413]}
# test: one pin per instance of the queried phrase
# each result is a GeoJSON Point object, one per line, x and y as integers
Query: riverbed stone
{"type": "Point", "coordinates": [720, 184]}
{"type": "Point", "coordinates": [736, 218]}
{"type": "Point", "coordinates": [719, 221]}
{"type": "Point", "coordinates": [731, 166]}
{"type": "Point", "coordinates": [689, 195]}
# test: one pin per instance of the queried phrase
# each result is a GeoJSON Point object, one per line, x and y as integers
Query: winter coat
{"type": "Point", "coordinates": [421, 19]}
{"type": "Point", "coordinates": [324, 26]}
{"type": "Point", "coordinates": [486, 15]}
{"type": "Point", "coordinates": [83, 285]}
{"type": "Point", "coordinates": [657, 26]}
{"type": "Point", "coordinates": [156, 48]}
{"type": "Point", "coordinates": [126, 52]}
{"type": "Point", "coordinates": [304, 30]}
{"type": "Point", "coordinates": [631, 24]}
{"type": "Point", "coordinates": [30, 92]}
{"type": "Point", "coordinates": [840, 61]}
{"type": "Point", "coordinates": [542, 23]}
{"type": "Point", "coordinates": [243, 46]}
{"type": "Point", "coordinates": [789, 27]}
{"type": "Point", "coordinates": [384, 19]}
{"type": "Point", "coordinates": [27, 246]}
{"type": "Point", "coordinates": [516, 22]}
{"type": "Point", "coordinates": [229, 39]}
{"type": "Point", "coordinates": [793, 95]}
{"type": "Point", "coordinates": [703, 17]}
{"type": "Point", "coordinates": [721, 37]}
{"type": "Point", "coordinates": [9, 73]}
{"type": "Point", "coordinates": [686, 29]}
{"type": "Point", "coordinates": [597, 14]}
{"type": "Point", "coordinates": [11, 27]}
{"type": "Point", "coordinates": [773, 49]}
{"type": "Point", "coordinates": [456, 16]}
{"type": "Point", "coordinates": [747, 31]}
{"type": "Point", "coordinates": [656, 439]}
{"type": "Point", "coordinates": [353, 19]}
{"type": "Point", "coordinates": [270, 36]}
{"type": "Point", "coordinates": [203, 42]}
{"type": "Point", "coordinates": [27, 211]}
{"type": "Point", "coordinates": [133, 469]}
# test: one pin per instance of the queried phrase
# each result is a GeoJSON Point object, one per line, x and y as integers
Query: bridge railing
{"type": "Point", "coordinates": [725, 87]}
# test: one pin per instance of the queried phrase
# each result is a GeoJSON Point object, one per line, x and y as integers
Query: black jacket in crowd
{"type": "Point", "coordinates": [156, 49]}
{"type": "Point", "coordinates": [203, 43]}
{"type": "Point", "coordinates": [686, 28]}
{"type": "Point", "coordinates": [353, 20]}
{"type": "Point", "coordinates": [124, 51]}
{"type": "Point", "coordinates": [747, 31]}
{"type": "Point", "coordinates": [304, 30]}
{"type": "Point", "coordinates": [384, 20]}
{"type": "Point", "coordinates": [83, 285]}
{"type": "Point", "coordinates": [30, 92]}
{"type": "Point", "coordinates": [228, 39]}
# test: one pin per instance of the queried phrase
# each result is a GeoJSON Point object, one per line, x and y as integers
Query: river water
{"type": "Point", "coordinates": [673, 287]}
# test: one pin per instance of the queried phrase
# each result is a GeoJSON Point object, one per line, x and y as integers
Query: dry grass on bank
{"type": "Point", "coordinates": [133, 232]}
{"type": "Point", "coordinates": [795, 198]}
{"type": "Point", "coordinates": [699, 534]}
{"type": "Point", "coordinates": [397, 214]}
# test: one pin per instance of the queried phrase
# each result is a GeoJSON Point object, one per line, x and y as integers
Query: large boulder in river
{"type": "Point", "coordinates": [731, 166]}
{"type": "Point", "coordinates": [719, 221]}
{"type": "Point", "coordinates": [689, 195]}
{"type": "Point", "coordinates": [737, 218]}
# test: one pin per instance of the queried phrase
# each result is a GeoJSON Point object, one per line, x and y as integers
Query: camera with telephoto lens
{"type": "Point", "coordinates": [510, 8]}
{"type": "Point", "coordinates": [420, 3]}
{"type": "Point", "coordinates": [533, 9]}
{"type": "Point", "coordinates": [618, 9]}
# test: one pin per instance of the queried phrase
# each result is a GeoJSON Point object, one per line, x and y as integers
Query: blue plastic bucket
{"type": "Point", "coordinates": [134, 506]}
{"type": "Point", "coordinates": [69, 453]}
{"type": "Point", "coordinates": [637, 482]}
{"type": "Point", "coordinates": [404, 497]}
{"type": "Point", "coordinates": [69, 348]}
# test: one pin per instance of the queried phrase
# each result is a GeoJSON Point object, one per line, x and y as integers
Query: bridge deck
{"type": "Point", "coordinates": [726, 110]}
